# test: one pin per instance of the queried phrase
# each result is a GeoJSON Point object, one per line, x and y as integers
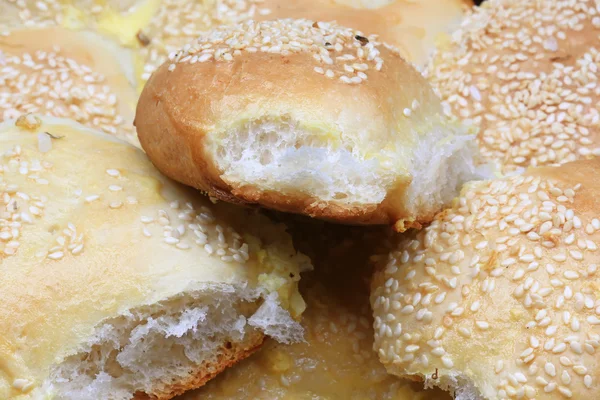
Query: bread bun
{"type": "Point", "coordinates": [412, 26]}
{"type": "Point", "coordinates": [525, 73]}
{"type": "Point", "coordinates": [337, 360]}
{"type": "Point", "coordinates": [335, 126]}
{"type": "Point", "coordinates": [69, 74]}
{"type": "Point", "coordinates": [498, 298]}
{"type": "Point", "coordinates": [117, 282]}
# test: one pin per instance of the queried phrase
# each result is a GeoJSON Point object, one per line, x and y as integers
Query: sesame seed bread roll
{"type": "Point", "coordinates": [412, 26]}
{"type": "Point", "coordinates": [79, 75]}
{"type": "Point", "coordinates": [525, 74]}
{"type": "Point", "coordinates": [305, 117]}
{"type": "Point", "coordinates": [337, 360]}
{"type": "Point", "coordinates": [118, 283]}
{"type": "Point", "coordinates": [498, 298]}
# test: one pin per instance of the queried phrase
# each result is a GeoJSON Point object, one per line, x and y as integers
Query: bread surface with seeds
{"type": "Point", "coordinates": [526, 74]}
{"type": "Point", "coordinates": [412, 26]}
{"type": "Point", "coordinates": [305, 117]}
{"type": "Point", "coordinates": [122, 19]}
{"type": "Point", "coordinates": [498, 298]}
{"type": "Point", "coordinates": [117, 282]}
{"type": "Point", "coordinates": [78, 75]}
{"type": "Point", "coordinates": [160, 27]}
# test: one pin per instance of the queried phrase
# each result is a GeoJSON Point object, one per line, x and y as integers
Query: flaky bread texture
{"type": "Point", "coordinates": [80, 75]}
{"type": "Point", "coordinates": [498, 298]}
{"type": "Point", "coordinates": [299, 129]}
{"type": "Point", "coordinates": [525, 74]}
{"type": "Point", "coordinates": [117, 282]}
{"type": "Point", "coordinates": [228, 356]}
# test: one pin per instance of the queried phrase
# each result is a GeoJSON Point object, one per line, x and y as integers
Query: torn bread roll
{"type": "Point", "coordinates": [79, 75]}
{"type": "Point", "coordinates": [525, 74]}
{"type": "Point", "coordinates": [118, 283]}
{"type": "Point", "coordinates": [412, 26]}
{"type": "Point", "coordinates": [498, 298]}
{"type": "Point", "coordinates": [305, 117]}
{"type": "Point", "coordinates": [337, 360]}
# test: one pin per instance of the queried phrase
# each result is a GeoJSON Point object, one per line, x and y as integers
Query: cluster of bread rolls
{"type": "Point", "coordinates": [267, 199]}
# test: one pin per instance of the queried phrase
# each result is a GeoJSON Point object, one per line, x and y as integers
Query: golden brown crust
{"type": "Point", "coordinates": [174, 138]}
{"type": "Point", "coordinates": [186, 109]}
{"type": "Point", "coordinates": [230, 354]}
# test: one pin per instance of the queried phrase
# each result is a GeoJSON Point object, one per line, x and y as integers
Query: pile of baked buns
{"type": "Point", "coordinates": [299, 199]}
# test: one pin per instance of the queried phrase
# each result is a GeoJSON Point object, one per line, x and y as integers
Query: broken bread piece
{"type": "Point", "coordinates": [118, 283]}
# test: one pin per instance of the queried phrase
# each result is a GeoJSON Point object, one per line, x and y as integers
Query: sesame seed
{"type": "Point", "coordinates": [77, 249]}
{"type": "Point", "coordinates": [327, 43]}
{"type": "Point", "coordinates": [550, 369]}
{"type": "Point", "coordinates": [56, 255]}
{"type": "Point", "coordinates": [171, 240]}
{"type": "Point", "coordinates": [482, 325]}
{"type": "Point", "coordinates": [447, 362]}
{"type": "Point", "coordinates": [91, 198]}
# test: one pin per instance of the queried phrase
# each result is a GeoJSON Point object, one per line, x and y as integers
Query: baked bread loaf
{"type": "Point", "coordinates": [498, 298]}
{"type": "Point", "coordinates": [337, 360]}
{"type": "Point", "coordinates": [118, 283]}
{"type": "Point", "coordinates": [524, 73]}
{"type": "Point", "coordinates": [305, 117]}
{"type": "Point", "coordinates": [79, 75]}
{"type": "Point", "coordinates": [412, 26]}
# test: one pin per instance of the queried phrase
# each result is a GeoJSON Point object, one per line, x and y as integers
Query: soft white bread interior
{"type": "Point", "coordinates": [117, 282]}
{"type": "Point", "coordinates": [498, 298]}
{"type": "Point", "coordinates": [525, 74]}
{"type": "Point", "coordinates": [336, 361]}
{"type": "Point", "coordinates": [412, 26]}
{"type": "Point", "coordinates": [306, 117]}
{"type": "Point", "coordinates": [63, 73]}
